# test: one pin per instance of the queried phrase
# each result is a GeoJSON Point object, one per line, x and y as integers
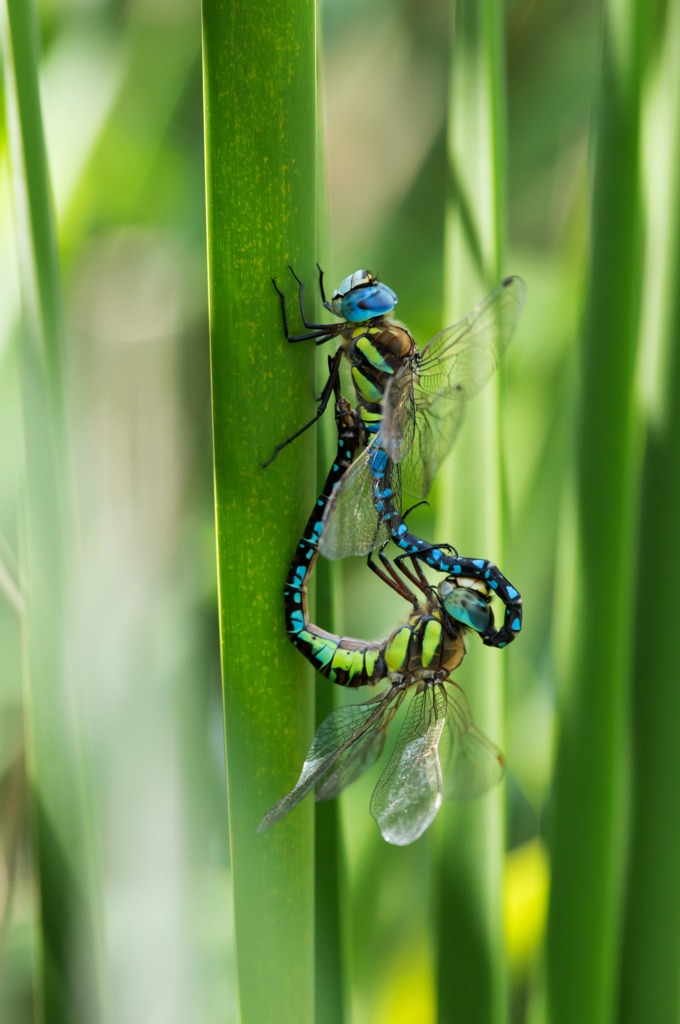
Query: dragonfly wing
{"type": "Point", "coordinates": [345, 737]}
{"type": "Point", "coordinates": [399, 430]}
{"type": "Point", "coordinates": [361, 755]}
{"type": "Point", "coordinates": [350, 522]}
{"type": "Point", "coordinates": [460, 359]}
{"type": "Point", "coordinates": [433, 437]}
{"type": "Point", "coordinates": [409, 791]}
{"type": "Point", "coordinates": [397, 423]}
{"type": "Point", "coordinates": [475, 764]}
{"type": "Point", "coordinates": [451, 369]}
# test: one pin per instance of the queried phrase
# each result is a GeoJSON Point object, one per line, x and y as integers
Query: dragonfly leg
{"type": "Point", "coordinates": [331, 386]}
{"type": "Point", "coordinates": [389, 575]}
{"type": "Point", "coordinates": [317, 332]}
{"type": "Point", "coordinates": [412, 508]}
{"type": "Point", "coordinates": [324, 300]}
{"type": "Point", "coordinates": [415, 575]}
{"type": "Point", "coordinates": [327, 330]}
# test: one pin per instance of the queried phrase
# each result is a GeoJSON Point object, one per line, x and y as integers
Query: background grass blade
{"type": "Point", "coordinates": [587, 842]}
{"type": "Point", "coordinates": [651, 935]}
{"type": "Point", "coordinates": [471, 973]}
{"type": "Point", "coordinates": [70, 965]}
{"type": "Point", "coordinates": [260, 127]}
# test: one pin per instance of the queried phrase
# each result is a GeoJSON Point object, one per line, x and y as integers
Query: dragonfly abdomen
{"type": "Point", "coordinates": [419, 649]}
{"type": "Point", "coordinates": [295, 587]}
{"type": "Point", "coordinates": [452, 565]}
{"type": "Point", "coordinates": [342, 660]}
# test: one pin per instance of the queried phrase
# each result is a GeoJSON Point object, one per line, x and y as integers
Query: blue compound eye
{"type": "Point", "coordinates": [361, 297]}
{"type": "Point", "coordinates": [466, 606]}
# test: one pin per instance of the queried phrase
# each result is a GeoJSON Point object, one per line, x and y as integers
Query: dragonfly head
{"type": "Point", "coordinates": [467, 601]}
{"type": "Point", "coordinates": [361, 296]}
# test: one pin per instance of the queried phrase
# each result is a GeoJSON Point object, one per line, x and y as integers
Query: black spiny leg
{"type": "Point", "coordinates": [316, 332]}
{"type": "Point", "coordinates": [324, 300]}
{"type": "Point", "coordinates": [324, 398]}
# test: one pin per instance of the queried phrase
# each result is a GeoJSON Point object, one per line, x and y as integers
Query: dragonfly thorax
{"type": "Point", "coordinates": [361, 296]}
{"type": "Point", "coordinates": [423, 648]}
{"type": "Point", "coordinates": [384, 345]}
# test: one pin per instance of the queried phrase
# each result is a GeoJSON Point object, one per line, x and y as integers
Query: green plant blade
{"type": "Point", "coordinates": [587, 841]}
{"type": "Point", "coordinates": [70, 959]}
{"type": "Point", "coordinates": [260, 129]}
{"type": "Point", "coordinates": [471, 971]}
{"type": "Point", "coordinates": [648, 986]}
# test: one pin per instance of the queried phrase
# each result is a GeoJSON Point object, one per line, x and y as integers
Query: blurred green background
{"type": "Point", "coordinates": [122, 102]}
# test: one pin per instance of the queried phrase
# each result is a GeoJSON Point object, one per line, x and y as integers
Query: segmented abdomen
{"type": "Point", "coordinates": [479, 568]}
{"type": "Point", "coordinates": [317, 645]}
{"type": "Point", "coordinates": [421, 645]}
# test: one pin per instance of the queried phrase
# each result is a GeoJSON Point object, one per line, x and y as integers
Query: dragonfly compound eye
{"type": "Point", "coordinates": [361, 297]}
{"type": "Point", "coordinates": [466, 606]}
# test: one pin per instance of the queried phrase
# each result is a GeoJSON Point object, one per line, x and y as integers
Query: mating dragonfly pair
{"type": "Point", "coordinates": [409, 407]}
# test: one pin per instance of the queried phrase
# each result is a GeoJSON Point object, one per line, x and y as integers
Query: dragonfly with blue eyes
{"type": "Point", "coordinates": [411, 405]}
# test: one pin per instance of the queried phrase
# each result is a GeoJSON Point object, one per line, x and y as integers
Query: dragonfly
{"type": "Point", "coordinates": [353, 663]}
{"type": "Point", "coordinates": [410, 404]}
{"type": "Point", "coordinates": [439, 751]}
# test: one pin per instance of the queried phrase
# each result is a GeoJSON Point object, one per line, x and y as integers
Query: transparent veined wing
{"type": "Point", "coordinates": [428, 439]}
{"type": "Point", "coordinates": [424, 402]}
{"type": "Point", "coordinates": [473, 764]}
{"type": "Point", "coordinates": [360, 756]}
{"type": "Point", "coordinates": [409, 791]}
{"type": "Point", "coordinates": [346, 743]}
{"type": "Point", "coordinates": [460, 359]}
{"type": "Point", "coordinates": [350, 523]}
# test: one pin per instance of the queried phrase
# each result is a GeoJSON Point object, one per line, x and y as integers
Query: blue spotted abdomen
{"type": "Point", "coordinates": [478, 568]}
